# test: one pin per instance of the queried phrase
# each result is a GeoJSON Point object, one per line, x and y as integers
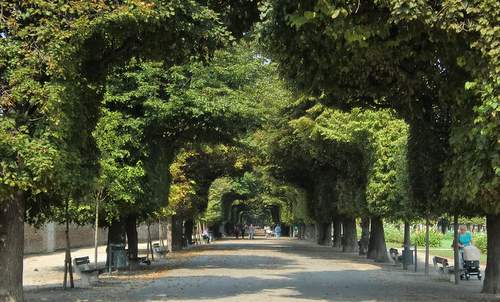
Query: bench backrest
{"type": "Point", "coordinates": [82, 260]}
{"type": "Point", "coordinates": [440, 260]}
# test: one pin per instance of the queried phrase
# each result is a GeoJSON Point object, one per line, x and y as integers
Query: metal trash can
{"type": "Point", "coordinates": [118, 256]}
{"type": "Point", "coordinates": [408, 256]}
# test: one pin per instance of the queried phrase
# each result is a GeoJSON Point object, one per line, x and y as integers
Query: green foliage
{"type": "Point", "coordinates": [194, 171]}
{"type": "Point", "coordinates": [150, 112]}
{"type": "Point", "coordinates": [481, 242]}
{"type": "Point", "coordinates": [382, 139]}
{"type": "Point", "coordinates": [393, 234]}
{"type": "Point", "coordinates": [396, 236]}
{"type": "Point", "coordinates": [347, 162]}
{"type": "Point", "coordinates": [258, 196]}
{"type": "Point", "coordinates": [435, 238]}
{"type": "Point", "coordinates": [448, 236]}
{"type": "Point", "coordinates": [238, 15]}
{"type": "Point", "coordinates": [353, 54]}
{"type": "Point", "coordinates": [472, 220]}
{"type": "Point", "coordinates": [54, 61]}
{"type": "Point", "coordinates": [215, 209]}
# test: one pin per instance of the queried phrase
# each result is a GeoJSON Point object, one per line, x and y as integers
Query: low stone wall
{"type": "Point", "coordinates": [51, 237]}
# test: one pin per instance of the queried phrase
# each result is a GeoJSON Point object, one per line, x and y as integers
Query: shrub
{"type": "Point", "coordinates": [448, 236]}
{"type": "Point", "coordinates": [480, 241]}
{"type": "Point", "coordinates": [392, 234]}
{"type": "Point", "coordinates": [434, 238]}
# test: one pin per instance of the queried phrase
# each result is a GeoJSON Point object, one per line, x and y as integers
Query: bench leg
{"type": "Point", "coordinates": [452, 278]}
{"type": "Point", "coordinates": [85, 280]}
{"type": "Point", "coordinates": [89, 279]}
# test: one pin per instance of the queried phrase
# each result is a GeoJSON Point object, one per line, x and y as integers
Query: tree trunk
{"type": "Point", "coordinates": [96, 233]}
{"type": "Point", "coordinates": [415, 261]}
{"type": "Point", "coordinates": [372, 246]}
{"type": "Point", "coordinates": [365, 236]}
{"type": "Point", "coordinates": [337, 233]}
{"type": "Point", "coordinates": [406, 244]}
{"type": "Point", "coordinates": [116, 235]}
{"type": "Point", "coordinates": [322, 233]}
{"type": "Point", "coordinates": [160, 232]}
{"type": "Point", "coordinates": [68, 266]}
{"type": "Point", "coordinates": [426, 268]}
{"type": "Point", "coordinates": [174, 233]}
{"type": "Point", "coordinates": [456, 254]}
{"type": "Point", "coordinates": [150, 243]}
{"type": "Point", "coordinates": [492, 274]}
{"type": "Point", "coordinates": [12, 248]}
{"type": "Point", "coordinates": [132, 238]}
{"type": "Point", "coordinates": [377, 249]}
{"type": "Point", "coordinates": [350, 236]}
{"type": "Point", "coordinates": [188, 228]}
{"type": "Point", "coordinates": [169, 233]}
{"type": "Point", "coordinates": [444, 223]}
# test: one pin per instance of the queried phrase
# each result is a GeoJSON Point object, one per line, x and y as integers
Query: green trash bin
{"type": "Point", "coordinates": [118, 256]}
{"type": "Point", "coordinates": [408, 256]}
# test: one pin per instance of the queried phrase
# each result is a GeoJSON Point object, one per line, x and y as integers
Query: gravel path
{"type": "Point", "coordinates": [266, 270]}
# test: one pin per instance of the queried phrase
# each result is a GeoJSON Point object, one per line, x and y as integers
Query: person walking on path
{"type": "Point", "coordinates": [268, 231]}
{"type": "Point", "coordinates": [205, 236]}
{"type": "Point", "coordinates": [277, 231]}
{"type": "Point", "coordinates": [251, 231]}
{"type": "Point", "coordinates": [464, 239]}
{"type": "Point", "coordinates": [237, 231]}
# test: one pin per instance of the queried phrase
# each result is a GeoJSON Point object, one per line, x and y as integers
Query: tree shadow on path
{"type": "Point", "coordinates": [272, 270]}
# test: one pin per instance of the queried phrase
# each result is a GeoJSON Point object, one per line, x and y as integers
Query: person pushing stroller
{"type": "Point", "coordinates": [464, 238]}
{"type": "Point", "coordinates": [469, 255]}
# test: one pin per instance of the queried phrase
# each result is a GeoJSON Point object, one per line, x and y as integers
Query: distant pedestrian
{"type": "Point", "coordinates": [251, 231]}
{"type": "Point", "coordinates": [267, 230]}
{"type": "Point", "coordinates": [277, 231]}
{"type": "Point", "coordinates": [237, 231]}
{"type": "Point", "coordinates": [205, 236]}
{"type": "Point", "coordinates": [243, 227]}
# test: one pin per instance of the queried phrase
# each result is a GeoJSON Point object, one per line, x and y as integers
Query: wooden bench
{"type": "Point", "coordinates": [159, 250]}
{"type": "Point", "coordinates": [137, 260]}
{"type": "Point", "coordinates": [441, 265]}
{"type": "Point", "coordinates": [394, 255]}
{"type": "Point", "coordinates": [140, 259]}
{"type": "Point", "coordinates": [443, 268]}
{"type": "Point", "coordinates": [88, 274]}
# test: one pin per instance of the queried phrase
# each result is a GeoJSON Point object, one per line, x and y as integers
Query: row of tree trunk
{"type": "Point", "coordinates": [12, 244]}
{"type": "Point", "coordinates": [372, 244]}
{"type": "Point", "coordinates": [124, 232]}
{"type": "Point", "coordinates": [372, 241]}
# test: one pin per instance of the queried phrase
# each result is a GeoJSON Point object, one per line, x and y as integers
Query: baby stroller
{"type": "Point", "coordinates": [471, 256]}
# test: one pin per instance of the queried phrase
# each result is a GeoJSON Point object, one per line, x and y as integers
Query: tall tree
{"type": "Point", "coordinates": [418, 58]}
{"type": "Point", "coordinates": [54, 58]}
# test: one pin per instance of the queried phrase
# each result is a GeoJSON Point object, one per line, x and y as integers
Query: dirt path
{"type": "Point", "coordinates": [267, 270]}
